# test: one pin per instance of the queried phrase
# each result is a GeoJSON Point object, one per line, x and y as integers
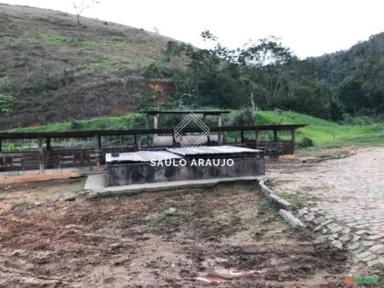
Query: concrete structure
{"type": "Point", "coordinates": [175, 164]}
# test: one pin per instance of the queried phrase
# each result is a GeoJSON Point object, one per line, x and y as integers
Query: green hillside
{"type": "Point", "coordinates": [52, 71]}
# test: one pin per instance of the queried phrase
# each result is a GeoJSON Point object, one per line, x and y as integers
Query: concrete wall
{"type": "Point", "coordinates": [125, 174]}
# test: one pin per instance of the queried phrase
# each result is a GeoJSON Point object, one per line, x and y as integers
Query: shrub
{"type": "Point", "coordinates": [306, 142]}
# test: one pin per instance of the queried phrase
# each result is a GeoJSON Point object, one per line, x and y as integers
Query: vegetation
{"type": "Point", "coordinates": [129, 121]}
{"type": "Point", "coordinates": [266, 75]}
{"type": "Point", "coordinates": [317, 133]}
{"type": "Point", "coordinates": [103, 68]}
{"type": "Point", "coordinates": [52, 71]}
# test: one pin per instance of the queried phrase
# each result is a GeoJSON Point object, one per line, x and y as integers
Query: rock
{"type": "Point", "coordinates": [334, 227]}
{"type": "Point", "coordinates": [375, 237]}
{"type": "Point", "coordinates": [333, 236]}
{"type": "Point", "coordinates": [353, 246]}
{"type": "Point", "coordinates": [337, 244]}
{"type": "Point", "coordinates": [309, 217]}
{"type": "Point", "coordinates": [345, 238]}
{"type": "Point", "coordinates": [363, 255]}
{"type": "Point", "coordinates": [69, 198]}
{"type": "Point", "coordinates": [375, 262]}
{"type": "Point", "coordinates": [292, 220]}
{"type": "Point", "coordinates": [376, 248]}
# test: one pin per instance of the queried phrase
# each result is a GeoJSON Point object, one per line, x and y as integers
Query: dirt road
{"type": "Point", "coordinates": [168, 239]}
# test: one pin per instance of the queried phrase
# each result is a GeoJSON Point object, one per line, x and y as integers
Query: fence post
{"type": "Point", "coordinates": [293, 140]}
{"type": "Point", "coordinates": [41, 156]}
{"type": "Point", "coordinates": [98, 147]}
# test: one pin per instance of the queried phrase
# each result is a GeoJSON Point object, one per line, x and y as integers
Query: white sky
{"type": "Point", "coordinates": [308, 27]}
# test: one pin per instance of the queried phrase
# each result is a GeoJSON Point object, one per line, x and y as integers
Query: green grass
{"type": "Point", "coordinates": [105, 65]}
{"type": "Point", "coordinates": [325, 134]}
{"type": "Point", "coordinates": [128, 121]}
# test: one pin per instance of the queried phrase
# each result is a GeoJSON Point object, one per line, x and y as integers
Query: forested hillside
{"type": "Point", "coordinates": [267, 75]}
{"type": "Point", "coordinates": [356, 76]}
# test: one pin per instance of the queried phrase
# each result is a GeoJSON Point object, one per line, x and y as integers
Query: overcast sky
{"type": "Point", "coordinates": [308, 27]}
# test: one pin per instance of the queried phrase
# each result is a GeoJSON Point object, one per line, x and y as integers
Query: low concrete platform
{"type": "Point", "coordinates": [96, 185]}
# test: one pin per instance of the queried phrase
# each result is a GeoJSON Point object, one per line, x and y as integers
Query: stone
{"type": "Point", "coordinates": [319, 220]}
{"type": "Point", "coordinates": [375, 237]}
{"type": "Point", "coordinates": [337, 244]}
{"type": "Point", "coordinates": [325, 231]}
{"type": "Point", "coordinates": [361, 232]}
{"type": "Point", "coordinates": [353, 246]}
{"type": "Point", "coordinates": [69, 198]}
{"type": "Point", "coordinates": [334, 227]}
{"type": "Point", "coordinates": [355, 238]}
{"type": "Point", "coordinates": [375, 262]}
{"type": "Point", "coordinates": [345, 238]}
{"type": "Point", "coordinates": [333, 236]}
{"type": "Point", "coordinates": [363, 255]}
{"type": "Point", "coordinates": [327, 222]}
{"type": "Point", "coordinates": [366, 244]}
{"type": "Point", "coordinates": [346, 231]}
{"type": "Point", "coordinates": [376, 248]}
{"type": "Point", "coordinates": [291, 219]}
{"type": "Point", "coordinates": [309, 217]}
{"type": "Point", "coordinates": [303, 211]}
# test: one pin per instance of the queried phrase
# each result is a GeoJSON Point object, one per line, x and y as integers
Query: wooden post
{"type": "Point", "coordinates": [98, 148]}
{"type": "Point", "coordinates": [98, 141]}
{"type": "Point", "coordinates": [48, 148]}
{"type": "Point", "coordinates": [220, 134]}
{"type": "Point", "coordinates": [48, 144]}
{"type": "Point", "coordinates": [41, 156]}
{"type": "Point", "coordinates": [293, 140]}
{"type": "Point", "coordinates": [256, 138]}
{"type": "Point", "coordinates": [156, 121]}
{"type": "Point", "coordinates": [1, 146]}
{"type": "Point", "coordinates": [242, 136]}
{"type": "Point", "coordinates": [275, 135]}
{"type": "Point", "coordinates": [135, 141]}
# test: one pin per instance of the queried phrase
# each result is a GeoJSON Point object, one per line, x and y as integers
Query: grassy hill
{"type": "Point", "coordinates": [56, 72]}
{"type": "Point", "coordinates": [323, 133]}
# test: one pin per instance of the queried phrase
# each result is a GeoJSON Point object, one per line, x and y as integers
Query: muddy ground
{"type": "Point", "coordinates": [169, 239]}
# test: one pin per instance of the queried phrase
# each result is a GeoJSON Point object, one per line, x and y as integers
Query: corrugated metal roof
{"type": "Point", "coordinates": [206, 150]}
{"type": "Point", "coordinates": [141, 156]}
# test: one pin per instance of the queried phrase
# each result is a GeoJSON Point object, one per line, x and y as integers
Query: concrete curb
{"type": "Point", "coordinates": [165, 186]}
{"type": "Point", "coordinates": [282, 203]}
{"type": "Point", "coordinates": [285, 206]}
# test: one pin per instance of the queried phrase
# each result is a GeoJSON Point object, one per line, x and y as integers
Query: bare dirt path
{"type": "Point", "coordinates": [347, 195]}
{"type": "Point", "coordinates": [170, 239]}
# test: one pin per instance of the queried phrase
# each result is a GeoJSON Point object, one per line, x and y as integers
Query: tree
{"type": "Point", "coordinates": [80, 6]}
{"type": "Point", "coordinates": [351, 95]}
{"type": "Point", "coordinates": [6, 103]}
{"type": "Point", "coordinates": [265, 64]}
